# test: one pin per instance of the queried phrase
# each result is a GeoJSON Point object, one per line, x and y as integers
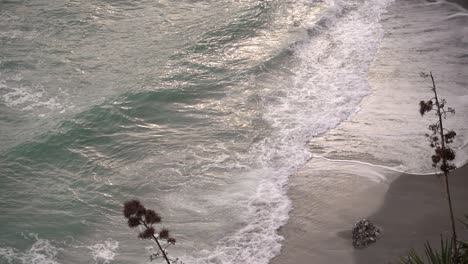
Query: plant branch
{"type": "Point", "coordinates": [157, 242]}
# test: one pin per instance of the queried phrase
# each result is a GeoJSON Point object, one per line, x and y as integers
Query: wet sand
{"type": "Point", "coordinates": [410, 209]}
{"type": "Point", "coordinates": [415, 210]}
{"type": "Point", "coordinates": [328, 198]}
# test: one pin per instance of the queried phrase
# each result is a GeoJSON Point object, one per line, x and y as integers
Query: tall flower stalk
{"type": "Point", "coordinates": [443, 156]}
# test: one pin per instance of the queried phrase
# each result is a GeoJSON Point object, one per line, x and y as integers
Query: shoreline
{"type": "Point", "coordinates": [414, 211]}
{"type": "Point", "coordinates": [409, 208]}
{"type": "Point", "coordinates": [462, 3]}
{"type": "Point", "coordinates": [330, 196]}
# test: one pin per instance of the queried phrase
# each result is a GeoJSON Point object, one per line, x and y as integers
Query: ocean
{"type": "Point", "coordinates": [202, 110]}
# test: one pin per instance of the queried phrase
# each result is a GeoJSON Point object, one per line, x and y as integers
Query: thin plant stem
{"type": "Point", "coordinates": [157, 242]}
{"type": "Point", "coordinates": [444, 162]}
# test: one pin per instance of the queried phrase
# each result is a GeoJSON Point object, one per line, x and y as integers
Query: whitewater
{"type": "Point", "coordinates": [200, 109]}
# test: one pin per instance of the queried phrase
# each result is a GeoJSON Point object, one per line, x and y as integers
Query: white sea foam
{"type": "Point", "coordinates": [31, 98]}
{"type": "Point", "coordinates": [27, 99]}
{"type": "Point", "coordinates": [44, 251]}
{"type": "Point", "coordinates": [104, 252]}
{"type": "Point", "coordinates": [372, 175]}
{"type": "Point", "coordinates": [41, 252]}
{"type": "Point", "coordinates": [331, 80]}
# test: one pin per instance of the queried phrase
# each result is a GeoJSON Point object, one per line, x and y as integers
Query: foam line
{"type": "Point", "coordinates": [330, 82]}
{"type": "Point", "coordinates": [371, 165]}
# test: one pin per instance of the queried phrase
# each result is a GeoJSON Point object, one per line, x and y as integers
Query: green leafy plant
{"type": "Point", "coordinates": [441, 256]}
{"type": "Point", "coordinates": [463, 245]}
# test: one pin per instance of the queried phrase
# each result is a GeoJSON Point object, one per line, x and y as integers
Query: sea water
{"type": "Point", "coordinates": [200, 109]}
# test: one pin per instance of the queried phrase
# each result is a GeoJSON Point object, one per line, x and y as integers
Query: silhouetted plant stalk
{"type": "Point", "coordinates": [138, 215]}
{"type": "Point", "coordinates": [443, 154]}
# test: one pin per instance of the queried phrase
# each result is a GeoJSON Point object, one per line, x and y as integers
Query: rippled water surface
{"type": "Point", "coordinates": [200, 109]}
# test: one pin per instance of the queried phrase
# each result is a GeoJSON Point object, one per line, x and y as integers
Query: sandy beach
{"type": "Point", "coordinates": [330, 195]}
{"type": "Point", "coordinates": [412, 209]}
{"type": "Point", "coordinates": [415, 210]}
{"type": "Point", "coordinates": [320, 223]}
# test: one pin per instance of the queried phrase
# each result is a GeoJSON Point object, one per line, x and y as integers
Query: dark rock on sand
{"type": "Point", "coordinates": [365, 233]}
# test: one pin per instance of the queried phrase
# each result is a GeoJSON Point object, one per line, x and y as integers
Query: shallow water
{"type": "Point", "coordinates": [389, 131]}
{"type": "Point", "coordinates": [202, 110]}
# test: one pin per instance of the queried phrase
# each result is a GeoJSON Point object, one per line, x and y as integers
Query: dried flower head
{"type": "Point", "coordinates": [131, 208]}
{"type": "Point", "coordinates": [425, 107]}
{"type": "Point", "coordinates": [171, 240]}
{"type": "Point", "coordinates": [164, 234]}
{"type": "Point", "coordinates": [446, 168]}
{"type": "Point", "coordinates": [148, 233]}
{"type": "Point", "coordinates": [133, 222]}
{"type": "Point", "coordinates": [435, 159]}
{"type": "Point", "coordinates": [141, 211]}
{"type": "Point", "coordinates": [449, 136]}
{"type": "Point", "coordinates": [445, 153]}
{"type": "Point", "coordinates": [151, 217]}
{"type": "Point", "coordinates": [138, 215]}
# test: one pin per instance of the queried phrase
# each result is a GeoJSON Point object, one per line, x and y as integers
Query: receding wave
{"type": "Point", "coordinates": [208, 133]}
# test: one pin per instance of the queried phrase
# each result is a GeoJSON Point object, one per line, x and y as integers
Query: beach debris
{"type": "Point", "coordinates": [365, 233]}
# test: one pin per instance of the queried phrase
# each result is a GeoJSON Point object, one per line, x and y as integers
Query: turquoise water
{"type": "Point", "coordinates": [200, 109]}
{"type": "Point", "coordinates": [108, 101]}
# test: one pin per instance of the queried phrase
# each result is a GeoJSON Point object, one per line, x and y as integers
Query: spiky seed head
{"type": "Point", "coordinates": [151, 217]}
{"type": "Point", "coordinates": [164, 234]}
{"type": "Point", "coordinates": [133, 222]}
{"type": "Point", "coordinates": [148, 233]}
